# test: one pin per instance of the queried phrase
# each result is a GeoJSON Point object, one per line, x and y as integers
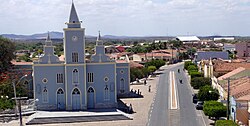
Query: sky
{"type": "Point", "coordinates": [129, 17]}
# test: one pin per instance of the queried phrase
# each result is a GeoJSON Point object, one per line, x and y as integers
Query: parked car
{"type": "Point", "coordinates": [195, 98]}
{"type": "Point", "coordinates": [199, 105]}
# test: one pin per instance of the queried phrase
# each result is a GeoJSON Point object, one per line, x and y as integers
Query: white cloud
{"type": "Point", "coordinates": [128, 17]}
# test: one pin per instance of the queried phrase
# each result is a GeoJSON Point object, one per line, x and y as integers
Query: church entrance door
{"type": "Point", "coordinates": [60, 99]}
{"type": "Point", "coordinates": [91, 98]}
{"type": "Point", "coordinates": [76, 104]}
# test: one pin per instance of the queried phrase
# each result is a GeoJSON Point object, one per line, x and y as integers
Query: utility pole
{"type": "Point", "coordinates": [228, 95]}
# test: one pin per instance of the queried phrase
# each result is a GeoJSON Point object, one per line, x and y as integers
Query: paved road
{"type": "Point", "coordinates": [160, 113]}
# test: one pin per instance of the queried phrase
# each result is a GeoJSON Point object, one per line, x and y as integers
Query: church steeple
{"type": "Point", "coordinates": [48, 41]}
{"type": "Point", "coordinates": [73, 18]}
{"type": "Point", "coordinates": [98, 40]}
{"type": "Point", "coordinates": [99, 36]}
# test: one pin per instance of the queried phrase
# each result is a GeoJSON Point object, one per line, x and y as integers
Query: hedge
{"type": "Point", "coordinates": [194, 74]}
{"type": "Point", "coordinates": [192, 68]}
{"type": "Point", "coordinates": [188, 63]}
{"type": "Point", "coordinates": [225, 123]}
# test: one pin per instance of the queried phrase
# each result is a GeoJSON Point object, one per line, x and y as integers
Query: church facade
{"type": "Point", "coordinates": [77, 83]}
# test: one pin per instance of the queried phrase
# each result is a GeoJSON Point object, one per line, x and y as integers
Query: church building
{"type": "Point", "coordinates": [77, 83]}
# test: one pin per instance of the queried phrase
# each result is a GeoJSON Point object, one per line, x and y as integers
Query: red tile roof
{"type": "Point", "coordinates": [236, 71]}
{"type": "Point", "coordinates": [227, 67]}
{"type": "Point", "coordinates": [21, 63]}
{"type": "Point", "coordinates": [239, 87]}
{"type": "Point", "coordinates": [135, 65]}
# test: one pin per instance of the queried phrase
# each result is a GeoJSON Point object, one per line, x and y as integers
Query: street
{"type": "Point", "coordinates": [161, 114]}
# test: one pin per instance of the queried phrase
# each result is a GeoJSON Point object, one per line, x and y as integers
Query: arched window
{"type": "Point", "coordinates": [76, 91]}
{"type": "Point", "coordinates": [75, 76]}
{"type": "Point", "coordinates": [60, 91]}
{"type": "Point", "coordinates": [122, 85]}
{"type": "Point", "coordinates": [45, 96]}
{"type": "Point", "coordinates": [91, 90]}
{"type": "Point", "coordinates": [106, 93]}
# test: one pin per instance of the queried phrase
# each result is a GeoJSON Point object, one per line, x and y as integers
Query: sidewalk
{"type": "Point", "coordinates": [199, 112]}
{"type": "Point", "coordinates": [141, 106]}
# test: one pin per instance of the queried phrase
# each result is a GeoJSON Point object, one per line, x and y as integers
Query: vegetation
{"type": "Point", "coordinates": [7, 49]}
{"type": "Point", "coordinates": [157, 63]}
{"type": "Point", "coordinates": [151, 69]}
{"type": "Point", "coordinates": [192, 68]}
{"type": "Point", "coordinates": [25, 58]}
{"type": "Point", "coordinates": [194, 74]}
{"type": "Point", "coordinates": [225, 123]}
{"type": "Point", "coordinates": [138, 73]}
{"type": "Point", "coordinates": [207, 93]}
{"type": "Point", "coordinates": [183, 55]}
{"type": "Point", "coordinates": [214, 109]}
{"type": "Point", "coordinates": [6, 103]}
{"type": "Point", "coordinates": [198, 82]}
{"type": "Point", "coordinates": [191, 52]}
{"type": "Point", "coordinates": [188, 63]}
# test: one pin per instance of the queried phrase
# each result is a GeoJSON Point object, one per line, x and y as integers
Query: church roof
{"type": "Point", "coordinates": [73, 15]}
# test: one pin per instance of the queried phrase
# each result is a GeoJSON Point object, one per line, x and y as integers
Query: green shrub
{"type": "Point", "coordinates": [194, 74]}
{"type": "Point", "coordinates": [214, 109]}
{"type": "Point", "coordinates": [192, 68]}
{"type": "Point", "coordinates": [151, 69]}
{"type": "Point", "coordinates": [197, 82]}
{"type": "Point", "coordinates": [225, 123]}
{"type": "Point", "coordinates": [207, 93]}
{"type": "Point", "coordinates": [6, 104]}
{"type": "Point", "coordinates": [188, 63]}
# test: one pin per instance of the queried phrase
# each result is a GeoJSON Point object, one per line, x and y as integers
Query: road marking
{"type": "Point", "coordinates": [173, 91]}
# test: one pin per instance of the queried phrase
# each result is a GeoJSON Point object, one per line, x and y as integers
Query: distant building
{"type": "Point", "coordinates": [157, 41]}
{"type": "Point", "coordinates": [243, 49]}
{"type": "Point", "coordinates": [188, 39]}
{"type": "Point", "coordinates": [224, 38]}
{"type": "Point", "coordinates": [211, 55]}
{"type": "Point", "coordinates": [229, 47]}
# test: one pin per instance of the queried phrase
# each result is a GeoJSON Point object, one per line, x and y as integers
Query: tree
{"type": "Point", "coordinates": [157, 63]}
{"type": "Point", "coordinates": [191, 51]}
{"type": "Point", "coordinates": [7, 49]}
{"type": "Point", "coordinates": [207, 93]}
{"type": "Point", "coordinates": [198, 82]}
{"type": "Point", "coordinates": [214, 109]}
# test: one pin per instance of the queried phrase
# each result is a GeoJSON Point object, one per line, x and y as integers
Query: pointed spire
{"type": "Point", "coordinates": [48, 41]}
{"type": "Point", "coordinates": [98, 40]}
{"type": "Point", "coordinates": [48, 37]}
{"type": "Point", "coordinates": [73, 15]}
{"type": "Point", "coordinates": [99, 36]}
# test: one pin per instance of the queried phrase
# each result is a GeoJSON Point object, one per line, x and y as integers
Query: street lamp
{"type": "Point", "coordinates": [14, 86]}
